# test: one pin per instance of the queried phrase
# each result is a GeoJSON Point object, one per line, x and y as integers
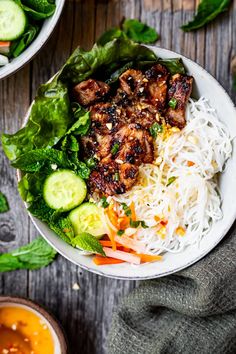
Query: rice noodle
{"type": "Point", "coordinates": [193, 157]}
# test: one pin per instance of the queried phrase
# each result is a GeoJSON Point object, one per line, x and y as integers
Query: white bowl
{"type": "Point", "coordinates": [44, 34]}
{"type": "Point", "coordinates": [204, 85]}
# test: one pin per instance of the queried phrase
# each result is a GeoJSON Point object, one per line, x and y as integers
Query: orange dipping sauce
{"type": "Point", "coordinates": [23, 332]}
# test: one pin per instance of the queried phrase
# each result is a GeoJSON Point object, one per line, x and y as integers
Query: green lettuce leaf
{"type": "Point", "coordinates": [83, 121]}
{"type": "Point", "coordinates": [206, 12]}
{"type": "Point", "coordinates": [174, 65]}
{"type": "Point", "coordinates": [49, 120]}
{"type": "Point", "coordinates": [103, 60]}
{"type": "Point", "coordinates": [111, 34]}
{"type": "Point", "coordinates": [31, 186]}
{"type": "Point", "coordinates": [35, 255]}
{"type": "Point", "coordinates": [116, 74]}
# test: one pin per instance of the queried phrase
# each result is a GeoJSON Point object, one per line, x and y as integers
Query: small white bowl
{"type": "Point", "coordinates": [207, 86]}
{"type": "Point", "coordinates": [60, 344]}
{"type": "Point", "coordinates": [47, 28]}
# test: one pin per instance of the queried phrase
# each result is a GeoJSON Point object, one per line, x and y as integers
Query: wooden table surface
{"type": "Point", "coordinates": [86, 313]}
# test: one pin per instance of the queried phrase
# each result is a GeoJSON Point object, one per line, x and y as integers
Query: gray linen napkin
{"type": "Point", "coordinates": [193, 311]}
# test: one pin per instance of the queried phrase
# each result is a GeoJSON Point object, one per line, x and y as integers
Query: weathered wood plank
{"type": "Point", "coordinates": [14, 98]}
{"type": "Point", "coordinates": [100, 18]}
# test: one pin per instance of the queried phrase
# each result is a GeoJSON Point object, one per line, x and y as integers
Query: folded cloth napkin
{"type": "Point", "coordinates": [193, 311]}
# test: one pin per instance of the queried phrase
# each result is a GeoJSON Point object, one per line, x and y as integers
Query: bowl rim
{"type": "Point", "coordinates": [59, 332]}
{"type": "Point", "coordinates": [32, 50]}
{"type": "Point", "coordinates": [177, 269]}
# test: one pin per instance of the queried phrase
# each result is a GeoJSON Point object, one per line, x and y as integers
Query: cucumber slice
{"type": "Point", "coordinates": [64, 190]}
{"type": "Point", "coordinates": [12, 20]}
{"type": "Point", "coordinates": [87, 218]}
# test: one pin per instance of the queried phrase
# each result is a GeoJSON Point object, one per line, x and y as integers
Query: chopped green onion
{"type": "Point", "coordinates": [170, 180]}
{"type": "Point", "coordinates": [126, 209]}
{"type": "Point", "coordinates": [104, 202]}
{"type": "Point", "coordinates": [91, 162]}
{"type": "Point", "coordinates": [115, 148]}
{"type": "Point", "coordinates": [155, 129]}
{"type": "Point", "coordinates": [144, 225]}
{"type": "Point", "coordinates": [134, 224]}
{"type": "Point", "coordinates": [116, 177]}
{"type": "Point", "coordinates": [137, 223]}
{"type": "Point", "coordinates": [120, 232]}
{"type": "Point", "coordinates": [172, 103]}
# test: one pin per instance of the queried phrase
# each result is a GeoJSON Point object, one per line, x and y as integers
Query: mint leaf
{"type": "Point", "coordinates": [34, 160]}
{"type": "Point", "coordinates": [132, 29]}
{"type": "Point", "coordinates": [40, 210]}
{"type": "Point", "coordinates": [139, 32]}
{"type": "Point", "coordinates": [89, 243]}
{"type": "Point", "coordinates": [69, 142]}
{"type": "Point", "coordinates": [35, 255]}
{"type": "Point", "coordinates": [3, 203]}
{"type": "Point", "coordinates": [42, 160]}
{"type": "Point", "coordinates": [206, 12]}
{"type": "Point", "coordinates": [63, 228]}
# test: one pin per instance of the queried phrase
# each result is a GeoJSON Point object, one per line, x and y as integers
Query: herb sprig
{"type": "Point", "coordinates": [35, 255]}
{"type": "Point", "coordinates": [130, 29]}
{"type": "Point", "coordinates": [206, 12]}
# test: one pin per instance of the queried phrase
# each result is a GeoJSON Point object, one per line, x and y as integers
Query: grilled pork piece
{"type": "Point", "coordinates": [119, 137]}
{"type": "Point", "coordinates": [117, 172]}
{"type": "Point", "coordinates": [180, 90]}
{"type": "Point", "coordinates": [131, 81]}
{"type": "Point", "coordinates": [134, 145]}
{"type": "Point", "coordinates": [112, 178]}
{"type": "Point", "coordinates": [156, 86]}
{"type": "Point", "coordinates": [90, 91]}
{"type": "Point", "coordinates": [150, 87]}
